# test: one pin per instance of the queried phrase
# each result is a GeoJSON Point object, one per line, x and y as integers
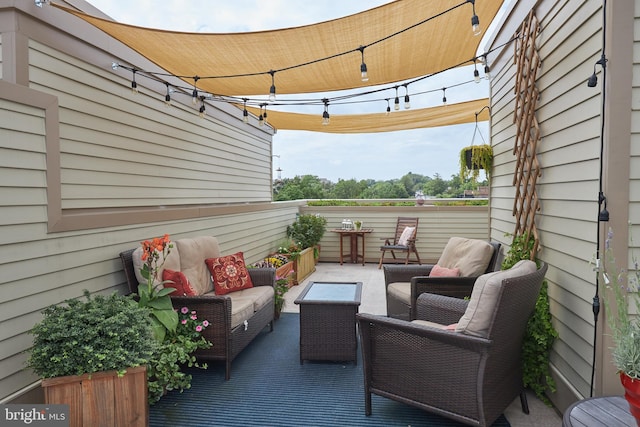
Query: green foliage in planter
{"type": "Point", "coordinates": [307, 230]}
{"type": "Point", "coordinates": [165, 369]}
{"type": "Point", "coordinates": [540, 333]}
{"type": "Point", "coordinates": [481, 158]}
{"type": "Point", "coordinates": [102, 333]}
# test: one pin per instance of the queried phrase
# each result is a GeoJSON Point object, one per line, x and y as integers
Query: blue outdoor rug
{"type": "Point", "coordinates": [269, 387]}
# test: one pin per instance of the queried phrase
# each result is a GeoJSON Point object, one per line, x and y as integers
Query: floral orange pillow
{"type": "Point", "coordinates": [229, 273]}
{"type": "Point", "coordinates": [178, 281]}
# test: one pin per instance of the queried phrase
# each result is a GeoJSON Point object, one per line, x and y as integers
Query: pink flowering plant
{"type": "Point", "coordinates": [177, 351]}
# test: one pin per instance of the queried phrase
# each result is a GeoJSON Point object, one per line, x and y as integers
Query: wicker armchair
{"type": "Point", "coordinates": [414, 280]}
{"type": "Point", "coordinates": [471, 379]}
{"type": "Point", "coordinates": [227, 342]}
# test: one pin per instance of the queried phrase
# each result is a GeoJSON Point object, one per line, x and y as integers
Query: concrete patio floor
{"type": "Point", "coordinates": [374, 302]}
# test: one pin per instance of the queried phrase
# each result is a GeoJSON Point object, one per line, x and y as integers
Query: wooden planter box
{"type": "Point", "coordinates": [288, 271]}
{"type": "Point", "coordinates": [102, 398]}
{"type": "Point", "coordinates": [305, 265]}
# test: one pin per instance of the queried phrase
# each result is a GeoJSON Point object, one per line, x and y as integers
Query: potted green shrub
{"type": "Point", "coordinates": [473, 158]}
{"type": "Point", "coordinates": [306, 232]}
{"type": "Point", "coordinates": [92, 354]}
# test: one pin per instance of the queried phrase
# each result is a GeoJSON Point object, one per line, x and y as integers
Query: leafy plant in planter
{"type": "Point", "coordinates": [92, 355]}
{"type": "Point", "coordinates": [307, 230]}
{"type": "Point", "coordinates": [99, 334]}
{"type": "Point", "coordinates": [540, 333]}
{"type": "Point", "coordinates": [474, 158]}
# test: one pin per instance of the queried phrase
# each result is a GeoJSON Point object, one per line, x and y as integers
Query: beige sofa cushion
{"type": "Point", "coordinates": [172, 263]}
{"type": "Point", "coordinates": [241, 310]}
{"type": "Point", "coordinates": [193, 252]}
{"type": "Point", "coordinates": [400, 291]}
{"type": "Point", "coordinates": [470, 256]}
{"type": "Point", "coordinates": [260, 295]}
{"type": "Point", "coordinates": [484, 297]}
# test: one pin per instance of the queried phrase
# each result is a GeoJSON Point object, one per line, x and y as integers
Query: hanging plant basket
{"type": "Point", "coordinates": [473, 159]}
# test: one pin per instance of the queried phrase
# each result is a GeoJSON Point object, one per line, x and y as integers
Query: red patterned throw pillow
{"type": "Point", "coordinates": [229, 273]}
{"type": "Point", "coordinates": [178, 281]}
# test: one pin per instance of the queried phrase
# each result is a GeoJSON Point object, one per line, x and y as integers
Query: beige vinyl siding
{"type": "Point", "coordinates": [569, 116]}
{"type": "Point", "coordinates": [120, 150]}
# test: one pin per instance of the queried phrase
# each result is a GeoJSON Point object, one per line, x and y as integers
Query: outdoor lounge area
{"type": "Point", "coordinates": [331, 394]}
{"type": "Point", "coordinates": [89, 170]}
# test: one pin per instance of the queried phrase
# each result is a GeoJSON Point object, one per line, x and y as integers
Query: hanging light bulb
{"type": "Point", "coordinates": [194, 96]}
{"type": "Point", "coordinates": [407, 102]}
{"type": "Point", "coordinates": [260, 117]}
{"type": "Point", "coordinates": [167, 97]}
{"type": "Point", "coordinates": [134, 85]}
{"type": "Point", "coordinates": [265, 113]}
{"type": "Point", "coordinates": [363, 67]}
{"type": "Point", "coordinates": [272, 89]}
{"type": "Point", "coordinates": [444, 96]}
{"type": "Point", "coordinates": [476, 74]}
{"type": "Point", "coordinates": [245, 113]}
{"type": "Point", "coordinates": [487, 72]}
{"type": "Point", "coordinates": [202, 109]}
{"type": "Point", "coordinates": [326, 119]}
{"type": "Point", "coordinates": [475, 21]}
{"type": "Point", "coordinates": [388, 108]}
{"type": "Point", "coordinates": [396, 102]}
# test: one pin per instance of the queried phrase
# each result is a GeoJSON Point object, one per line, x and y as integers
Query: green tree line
{"type": "Point", "coordinates": [312, 187]}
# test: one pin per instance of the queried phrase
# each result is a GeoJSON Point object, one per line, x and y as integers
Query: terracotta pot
{"type": "Point", "coordinates": [632, 394]}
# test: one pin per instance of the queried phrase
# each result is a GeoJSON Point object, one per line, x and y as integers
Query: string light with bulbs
{"type": "Point", "coordinates": [202, 96]}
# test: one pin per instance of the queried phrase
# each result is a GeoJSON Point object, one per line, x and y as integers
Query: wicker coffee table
{"type": "Point", "coordinates": [328, 321]}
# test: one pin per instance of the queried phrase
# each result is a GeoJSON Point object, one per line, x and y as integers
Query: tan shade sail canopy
{"type": "Point", "coordinates": [446, 40]}
{"type": "Point", "coordinates": [453, 114]}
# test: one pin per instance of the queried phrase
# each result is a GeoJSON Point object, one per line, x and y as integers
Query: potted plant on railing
{"type": "Point", "coordinates": [93, 354]}
{"type": "Point", "coordinates": [473, 158]}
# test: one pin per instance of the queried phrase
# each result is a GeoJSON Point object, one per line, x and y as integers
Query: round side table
{"type": "Point", "coordinates": [599, 411]}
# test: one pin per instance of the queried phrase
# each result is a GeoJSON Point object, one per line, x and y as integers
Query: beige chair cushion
{"type": "Point", "coordinates": [470, 256]}
{"type": "Point", "coordinates": [193, 252]}
{"type": "Point", "coordinates": [477, 317]}
{"type": "Point", "coordinates": [172, 263]}
{"type": "Point", "coordinates": [400, 291]}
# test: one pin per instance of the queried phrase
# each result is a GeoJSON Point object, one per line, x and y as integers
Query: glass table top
{"type": "Point", "coordinates": [331, 291]}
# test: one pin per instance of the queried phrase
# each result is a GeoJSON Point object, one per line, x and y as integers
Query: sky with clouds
{"type": "Point", "coordinates": [379, 156]}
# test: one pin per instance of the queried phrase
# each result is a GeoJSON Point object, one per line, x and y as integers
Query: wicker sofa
{"type": "Point", "coordinates": [235, 318]}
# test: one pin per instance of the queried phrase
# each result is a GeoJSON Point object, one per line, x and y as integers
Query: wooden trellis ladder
{"type": "Point", "coordinates": [527, 171]}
